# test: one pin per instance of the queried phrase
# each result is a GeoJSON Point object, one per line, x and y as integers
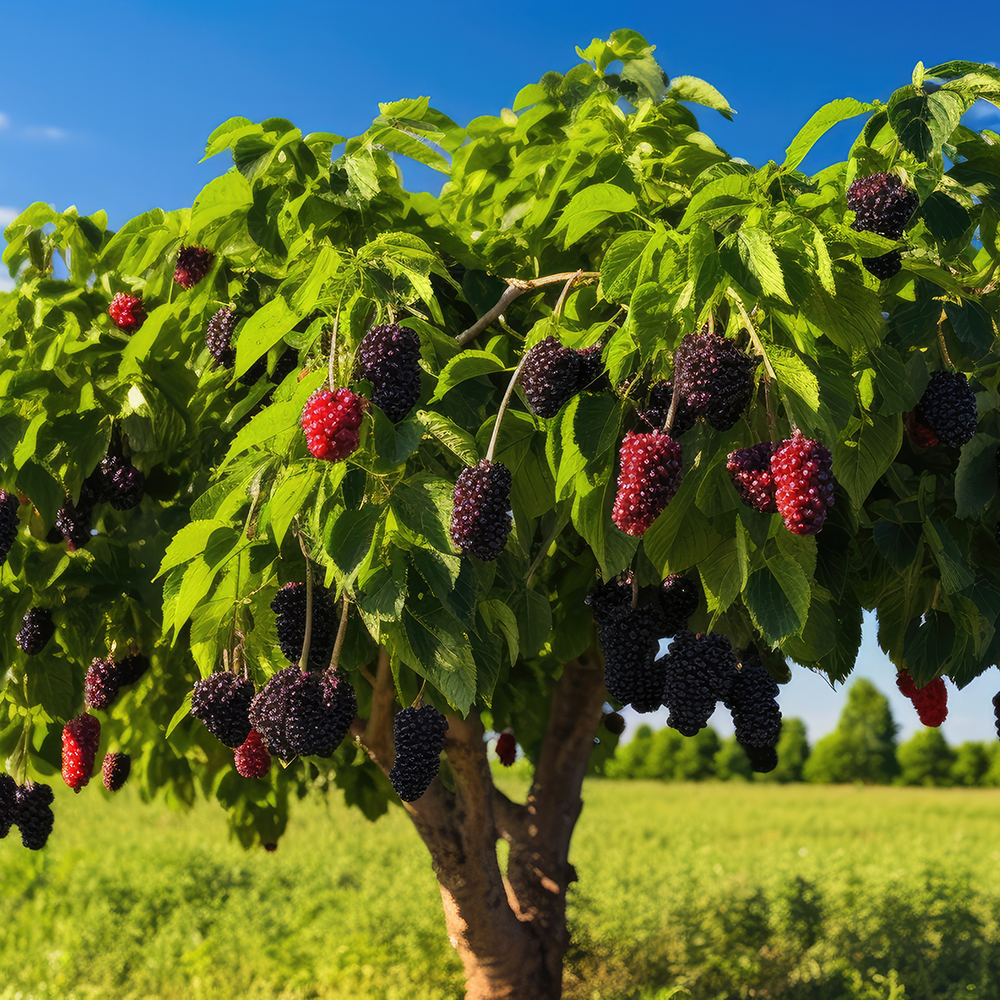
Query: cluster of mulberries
{"type": "Point", "coordinates": [480, 520]}
{"type": "Point", "coordinates": [127, 312]}
{"type": "Point", "coordinates": [629, 639]}
{"type": "Point", "coordinates": [222, 702]}
{"type": "Point", "coordinates": [105, 676]}
{"type": "Point", "coordinates": [802, 469]}
{"type": "Point", "coordinates": [884, 205]}
{"type": "Point", "coordinates": [946, 413]}
{"type": "Point", "coordinates": [9, 504]}
{"type": "Point", "coordinates": [700, 670]}
{"type": "Point", "coordinates": [930, 701]}
{"type": "Point", "coordinates": [8, 799]}
{"type": "Point", "coordinates": [650, 474]}
{"type": "Point", "coordinates": [388, 357]}
{"type": "Point", "coordinates": [996, 712]}
{"type": "Point", "coordinates": [551, 374]}
{"type": "Point", "coordinates": [251, 757]}
{"type": "Point", "coordinates": [115, 770]}
{"type": "Point", "coordinates": [219, 337]}
{"type": "Point", "coordinates": [303, 713]}
{"type": "Point", "coordinates": [661, 396]}
{"type": "Point", "coordinates": [752, 700]}
{"type": "Point", "coordinates": [33, 814]}
{"type": "Point", "coordinates": [36, 631]}
{"type": "Point", "coordinates": [289, 605]}
{"type": "Point", "coordinates": [750, 471]}
{"type": "Point", "coordinates": [418, 735]}
{"type": "Point", "coordinates": [331, 420]}
{"type": "Point", "coordinates": [115, 481]}
{"type": "Point", "coordinates": [714, 377]}
{"type": "Point", "coordinates": [80, 739]}
{"type": "Point", "coordinates": [193, 263]}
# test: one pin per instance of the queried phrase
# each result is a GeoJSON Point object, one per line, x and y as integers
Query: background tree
{"type": "Point", "coordinates": [154, 400]}
{"type": "Point", "coordinates": [971, 764]}
{"type": "Point", "coordinates": [731, 761]}
{"type": "Point", "coordinates": [925, 759]}
{"type": "Point", "coordinates": [862, 747]}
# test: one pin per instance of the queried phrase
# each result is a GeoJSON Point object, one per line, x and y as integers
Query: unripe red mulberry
{"type": "Point", "coordinates": [750, 471]}
{"type": "Point", "coordinates": [331, 419]}
{"type": "Point", "coordinates": [252, 759]}
{"type": "Point", "coordinates": [506, 749]}
{"type": "Point", "coordinates": [80, 739]}
{"type": "Point", "coordinates": [480, 520]}
{"type": "Point", "coordinates": [126, 312]}
{"type": "Point", "coordinates": [419, 735]}
{"type": "Point", "coordinates": [930, 701]}
{"type": "Point", "coordinates": [650, 475]}
{"type": "Point", "coordinates": [115, 770]}
{"type": "Point", "coordinates": [803, 483]}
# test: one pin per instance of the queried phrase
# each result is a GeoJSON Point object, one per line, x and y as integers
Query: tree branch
{"type": "Point", "coordinates": [516, 288]}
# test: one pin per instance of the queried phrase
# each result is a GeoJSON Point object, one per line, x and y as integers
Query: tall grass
{"type": "Point", "coordinates": [731, 891]}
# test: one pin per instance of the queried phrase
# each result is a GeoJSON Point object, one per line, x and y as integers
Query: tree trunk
{"type": "Point", "coordinates": [510, 931]}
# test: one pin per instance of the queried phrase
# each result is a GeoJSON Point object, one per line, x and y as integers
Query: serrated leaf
{"type": "Point", "coordinates": [819, 124]}
{"type": "Point", "coordinates": [777, 598]}
{"type": "Point", "coordinates": [720, 198]}
{"type": "Point", "coordinates": [859, 461]}
{"type": "Point", "coordinates": [183, 711]}
{"type": "Point", "coordinates": [623, 265]}
{"type": "Point", "coordinates": [758, 254]}
{"type": "Point", "coordinates": [467, 365]}
{"type": "Point", "coordinates": [457, 440]}
{"type": "Point", "coordinates": [590, 207]}
{"type": "Point", "coordinates": [690, 88]}
{"type": "Point", "coordinates": [976, 477]}
{"type": "Point", "coordinates": [500, 619]}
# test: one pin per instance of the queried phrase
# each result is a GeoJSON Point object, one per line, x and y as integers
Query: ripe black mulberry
{"type": "Point", "coordinates": [419, 735]}
{"type": "Point", "coordinates": [222, 702]}
{"type": "Point", "coordinates": [481, 521]}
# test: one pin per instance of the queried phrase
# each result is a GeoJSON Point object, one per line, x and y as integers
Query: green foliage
{"type": "Point", "coordinates": [862, 747]}
{"type": "Point", "coordinates": [925, 759]}
{"type": "Point", "coordinates": [603, 173]}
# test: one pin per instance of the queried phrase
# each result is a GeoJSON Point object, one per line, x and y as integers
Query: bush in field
{"type": "Point", "coordinates": [925, 759]}
{"type": "Point", "coordinates": [793, 752]}
{"type": "Point", "coordinates": [311, 379]}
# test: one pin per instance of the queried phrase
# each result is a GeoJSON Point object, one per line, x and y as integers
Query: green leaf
{"type": "Point", "coordinates": [458, 441]}
{"type": "Point", "coordinates": [972, 325]}
{"type": "Point", "coordinates": [534, 621]}
{"type": "Point", "coordinates": [348, 536]}
{"type": "Point", "coordinates": [500, 618]}
{"type": "Point", "coordinates": [866, 454]}
{"type": "Point", "coordinates": [261, 332]}
{"type": "Point", "coordinates": [183, 711]}
{"type": "Point", "coordinates": [690, 88]}
{"type": "Point", "coordinates": [624, 263]}
{"type": "Point", "coordinates": [190, 542]}
{"type": "Point", "coordinates": [924, 122]}
{"type": "Point", "coordinates": [469, 364]}
{"type": "Point", "coordinates": [777, 598]}
{"type": "Point", "coordinates": [721, 198]}
{"type": "Point", "coordinates": [976, 476]}
{"type": "Point", "coordinates": [424, 506]}
{"type": "Point", "coordinates": [758, 254]}
{"type": "Point", "coordinates": [588, 208]}
{"type": "Point", "coordinates": [591, 515]}
{"type": "Point", "coordinates": [819, 124]}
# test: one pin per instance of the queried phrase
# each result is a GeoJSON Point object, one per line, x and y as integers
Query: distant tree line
{"type": "Point", "coordinates": [862, 748]}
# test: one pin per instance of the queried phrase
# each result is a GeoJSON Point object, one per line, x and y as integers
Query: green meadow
{"type": "Point", "coordinates": [727, 890]}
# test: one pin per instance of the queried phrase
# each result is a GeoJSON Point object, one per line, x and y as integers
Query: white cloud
{"type": "Point", "coordinates": [6, 282]}
{"type": "Point", "coordinates": [4, 120]}
{"type": "Point", "coordinates": [8, 215]}
{"type": "Point", "coordinates": [45, 132]}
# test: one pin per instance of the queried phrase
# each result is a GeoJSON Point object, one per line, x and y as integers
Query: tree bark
{"type": "Point", "coordinates": [510, 931]}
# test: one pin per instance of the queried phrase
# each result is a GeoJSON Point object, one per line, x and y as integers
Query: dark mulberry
{"type": "Point", "coordinates": [100, 686]}
{"type": "Point", "coordinates": [632, 673]}
{"type": "Point", "coordinates": [610, 600]}
{"type": "Point", "coordinates": [289, 605]}
{"type": "Point", "coordinates": [948, 408]}
{"type": "Point", "coordinates": [303, 714]}
{"type": "Point", "coordinates": [222, 702]}
{"type": "Point", "coordinates": [131, 668]}
{"type": "Point", "coordinates": [388, 357]}
{"type": "Point", "coordinates": [115, 770]}
{"type": "Point", "coordinates": [36, 632]}
{"type": "Point", "coordinates": [752, 700]}
{"type": "Point", "coordinates": [9, 504]}
{"type": "Point", "coordinates": [33, 814]}
{"type": "Point", "coordinates": [219, 337]}
{"type": "Point", "coordinates": [678, 602]}
{"type": "Point", "coordinates": [700, 671]}
{"type": "Point", "coordinates": [550, 376]}
{"type": "Point", "coordinates": [193, 263]}
{"type": "Point", "coordinates": [8, 803]}
{"type": "Point", "coordinates": [882, 204]}
{"type": "Point", "coordinates": [418, 735]}
{"type": "Point", "coordinates": [481, 521]}
{"type": "Point", "coordinates": [660, 396]}
{"type": "Point", "coordinates": [714, 377]}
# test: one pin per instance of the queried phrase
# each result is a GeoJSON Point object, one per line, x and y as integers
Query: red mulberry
{"type": "Point", "coordinates": [803, 483]}
{"type": "Point", "coordinates": [251, 758]}
{"type": "Point", "coordinates": [80, 738]}
{"type": "Point", "coordinates": [930, 701]}
{"type": "Point", "coordinates": [750, 471]}
{"type": "Point", "coordinates": [126, 312]}
{"type": "Point", "coordinates": [330, 420]}
{"type": "Point", "coordinates": [506, 749]}
{"type": "Point", "coordinates": [650, 475]}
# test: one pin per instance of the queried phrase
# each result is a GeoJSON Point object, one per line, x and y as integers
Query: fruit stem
{"type": "Point", "coordinates": [941, 342]}
{"type": "Point", "coordinates": [307, 638]}
{"type": "Point", "coordinates": [503, 407]}
{"type": "Point", "coordinates": [546, 545]}
{"type": "Point", "coordinates": [420, 694]}
{"type": "Point", "coordinates": [752, 330]}
{"type": "Point", "coordinates": [338, 644]}
{"type": "Point", "coordinates": [563, 295]}
{"type": "Point", "coordinates": [332, 364]}
{"type": "Point", "coordinates": [516, 288]}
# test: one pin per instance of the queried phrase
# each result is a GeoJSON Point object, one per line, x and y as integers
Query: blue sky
{"type": "Point", "coordinates": [107, 106]}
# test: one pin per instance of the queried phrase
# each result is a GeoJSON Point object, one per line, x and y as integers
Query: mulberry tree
{"type": "Point", "coordinates": [280, 445]}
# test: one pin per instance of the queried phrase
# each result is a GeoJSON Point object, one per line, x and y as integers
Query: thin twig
{"type": "Point", "coordinates": [941, 343]}
{"type": "Point", "coordinates": [338, 644]}
{"type": "Point", "coordinates": [332, 363]}
{"type": "Point", "coordinates": [503, 407]}
{"type": "Point", "coordinates": [546, 545]}
{"type": "Point", "coordinates": [307, 638]}
{"type": "Point", "coordinates": [516, 288]}
{"type": "Point", "coordinates": [751, 329]}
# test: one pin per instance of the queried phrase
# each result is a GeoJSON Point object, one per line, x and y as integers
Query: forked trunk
{"type": "Point", "coordinates": [509, 930]}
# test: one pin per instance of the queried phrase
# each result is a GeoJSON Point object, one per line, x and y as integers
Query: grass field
{"type": "Point", "coordinates": [731, 891]}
